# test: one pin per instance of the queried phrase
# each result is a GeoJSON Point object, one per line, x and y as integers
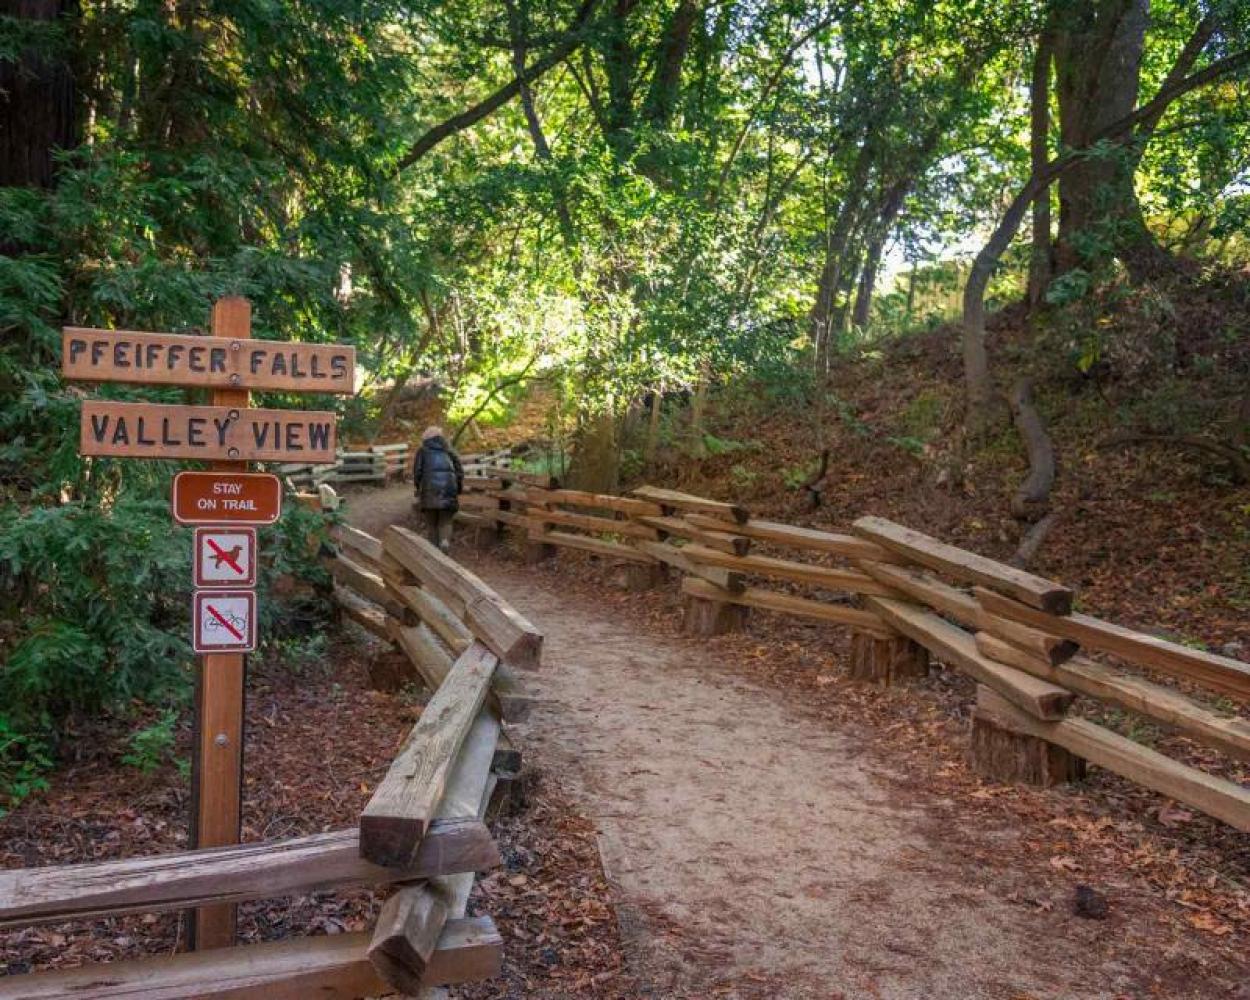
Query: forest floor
{"type": "Point", "coordinates": [767, 838]}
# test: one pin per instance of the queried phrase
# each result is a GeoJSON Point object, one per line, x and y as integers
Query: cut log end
{"type": "Point", "coordinates": [999, 753]}
{"type": "Point", "coordinates": [390, 841]}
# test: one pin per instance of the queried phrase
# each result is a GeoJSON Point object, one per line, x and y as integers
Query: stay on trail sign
{"type": "Point", "coordinates": [226, 497]}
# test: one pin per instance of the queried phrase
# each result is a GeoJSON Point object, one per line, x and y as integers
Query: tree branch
{"type": "Point", "coordinates": [471, 116]}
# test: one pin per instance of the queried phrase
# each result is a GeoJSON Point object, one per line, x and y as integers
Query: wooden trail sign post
{"type": "Point", "coordinates": [217, 759]}
{"type": "Point", "coordinates": [228, 435]}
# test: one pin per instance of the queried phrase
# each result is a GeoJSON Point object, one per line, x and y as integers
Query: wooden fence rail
{"type": "Point", "coordinates": [466, 644]}
{"type": "Point", "coordinates": [422, 831]}
{"type": "Point", "coordinates": [907, 597]}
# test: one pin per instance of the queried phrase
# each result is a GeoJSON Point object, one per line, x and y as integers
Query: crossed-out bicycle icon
{"type": "Point", "coordinates": [224, 620]}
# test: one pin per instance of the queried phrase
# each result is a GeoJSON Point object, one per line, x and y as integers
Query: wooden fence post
{"type": "Point", "coordinates": [703, 617]}
{"type": "Point", "coordinates": [886, 661]}
{"type": "Point", "coordinates": [1000, 752]}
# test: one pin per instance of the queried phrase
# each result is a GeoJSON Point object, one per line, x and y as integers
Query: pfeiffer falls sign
{"type": "Point", "coordinates": [219, 362]}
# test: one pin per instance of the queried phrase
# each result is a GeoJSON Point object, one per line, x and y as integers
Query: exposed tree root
{"type": "Point", "coordinates": [1032, 499]}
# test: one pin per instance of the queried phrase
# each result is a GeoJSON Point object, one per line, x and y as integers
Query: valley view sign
{"type": "Point", "coordinates": [156, 430]}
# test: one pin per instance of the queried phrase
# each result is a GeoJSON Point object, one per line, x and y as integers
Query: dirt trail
{"type": "Point", "coordinates": [757, 850]}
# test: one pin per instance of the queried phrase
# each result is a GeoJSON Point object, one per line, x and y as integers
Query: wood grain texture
{"type": "Point", "coordinates": [424, 650]}
{"type": "Point", "coordinates": [671, 555]}
{"type": "Point", "coordinates": [595, 546]}
{"type": "Point", "coordinates": [364, 613]}
{"type": "Point", "coordinates": [787, 604]}
{"type": "Point", "coordinates": [956, 647]}
{"type": "Point", "coordinates": [923, 588]}
{"type": "Point", "coordinates": [834, 578]}
{"type": "Point", "coordinates": [437, 615]}
{"type": "Point", "coordinates": [688, 502]}
{"type": "Point", "coordinates": [601, 525]}
{"type": "Point", "coordinates": [1214, 796]}
{"type": "Point", "coordinates": [328, 967]}
{"type": "Point", "coordinates": [231, 874]}
{"type": "Point", "coordinates": [222, 362]}
{"type": "Point", "coordinates": [630, 506]}
{"type": "Point", "coordinates": [1098, 680]}
{"type": "Point", "coordinates": [399, 813]}
{"type": "Point", "coordinates": [1219, 673]}
{"type": "Point", "coordinates": [1051, 648]}
{"type": "Point", "coordinates": [808, 539]}
{"type": "Point", "coordinates": [721, 540]}
{"type": "Point", "coordinates": [504, 630]}
{"type": "Point", "coordinates": [968, 567]}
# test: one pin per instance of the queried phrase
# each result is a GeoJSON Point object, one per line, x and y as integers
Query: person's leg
{"type": "Point", "coordinates": [446, 519]}
{"type": "Point", "coordinates": [432, 521]}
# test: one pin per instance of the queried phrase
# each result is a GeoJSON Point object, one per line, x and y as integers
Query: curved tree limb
{"type": "Point", "coordinates": [471, 116]}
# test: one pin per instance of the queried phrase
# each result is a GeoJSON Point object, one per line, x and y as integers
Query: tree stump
{"type": "Point", "coordinates": [886, 661]}
{"type": "Point", "coordinates": [706, 618]}
{"type": "Point", "coordinates": [1002, 754]}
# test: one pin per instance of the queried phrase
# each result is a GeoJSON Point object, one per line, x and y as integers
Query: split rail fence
{"type": "Point", "coordinates": [422, 832]}
{"type": "Point", "coordinates": [908, 597]}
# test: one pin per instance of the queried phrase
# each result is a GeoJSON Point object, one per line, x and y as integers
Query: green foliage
{"type": "Point", "coordinates": [153, 745]}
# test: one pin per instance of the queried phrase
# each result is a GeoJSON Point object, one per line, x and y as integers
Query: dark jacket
{"type": "Point", "coordinates": [438, 476]}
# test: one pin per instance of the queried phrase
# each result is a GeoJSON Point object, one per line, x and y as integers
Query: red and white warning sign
{"type": "Point", "coordinates": [225, 557]}
{"type": "Point", "coordinates": [224, 621]}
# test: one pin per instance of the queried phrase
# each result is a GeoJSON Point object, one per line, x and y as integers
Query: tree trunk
{"type": "Point", "coordinates": [821, 317]}
{"type": "Point", "coordinates": [890, 208]}
{"type": "Point", "coordinates": [1098, 52]}
{"type": "Point", "coordinates": [1041, 264]}
{"type": "Point", "coordinates": [37, 102]}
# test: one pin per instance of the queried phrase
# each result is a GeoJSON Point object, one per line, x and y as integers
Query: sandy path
{"type": "Point", "coordinates": [746, 839]}
{"type": "Point", "coordinates": [752, 845]}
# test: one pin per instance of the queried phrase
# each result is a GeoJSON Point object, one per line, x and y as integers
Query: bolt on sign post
{"type": "Point", "coordinates": [225, 504]}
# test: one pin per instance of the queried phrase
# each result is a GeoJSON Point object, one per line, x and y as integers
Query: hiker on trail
{"type": "Point", "coordinates": [438, 479]}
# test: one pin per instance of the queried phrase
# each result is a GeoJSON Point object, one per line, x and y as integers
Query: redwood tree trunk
{"type": "Point", "coordinates": [37, 102]}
